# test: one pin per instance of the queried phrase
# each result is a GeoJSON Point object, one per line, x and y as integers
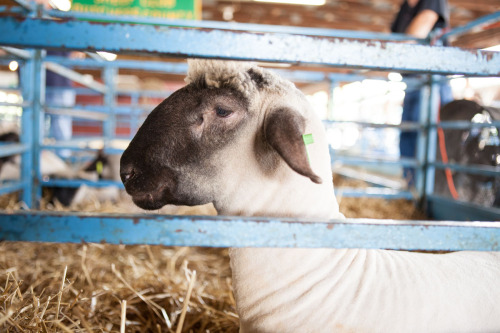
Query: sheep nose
{"type": "Point", "coordinates": [127, 173]}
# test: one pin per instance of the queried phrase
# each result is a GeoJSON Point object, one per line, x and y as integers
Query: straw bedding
{"type": "Point", "coordinates": [118, 288]}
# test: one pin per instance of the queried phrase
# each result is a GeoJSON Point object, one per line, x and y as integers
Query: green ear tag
{"type": "Point", "coordinates": [99, 167]}
{"type": "Point", "coordinates": [308, 139]}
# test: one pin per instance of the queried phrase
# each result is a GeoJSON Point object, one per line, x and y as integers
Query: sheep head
{"type": "Point", "coordinates": [190, 142]}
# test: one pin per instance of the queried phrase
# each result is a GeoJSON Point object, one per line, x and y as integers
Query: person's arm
{"type": "Point", "coordinates": [422, 24]}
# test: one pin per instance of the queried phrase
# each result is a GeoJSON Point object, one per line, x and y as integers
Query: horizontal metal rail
{"type": "Point", "coordinates": [484, 170]}
{"type": "Point", "coordinates": [404, 126]}
{"type": "Point", "coordinates": [450, 209]}
{"type": "Point", "coordinates": [462, 124]}
{"type": "Point", "coordinates": [79, 182]}
{"type": "Point", "coordinates": [488, 19]}
{"type": "Point", "coordinates": [11, 186]}
{"type": "Point", "coordinates": [77, 113]}
{"type": "Point", "coordinates": [20, 105]}
{"type": "Point", "coordinates": [362, 161]}
{"type": "Point", "coordinates": [9, 149]}
{"type": "Point", "coordinates": [76, 77]}
{"type": "Point", "coordinates": [23, 54]}
{"type": "Point", "coordinates": [221, 231]}
{"type": "Point", "coordinates": [76, 147]}
{"type": "Point", "coordinates": [181, 69]}
{"type": "Point", "coordinates": [233, 26]}
{"type": "Point", "coordinates": [373, 192]}
{"type": "Point", "coordinates": [182, 42]}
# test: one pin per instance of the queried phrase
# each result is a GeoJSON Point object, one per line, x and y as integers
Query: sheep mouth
{"type": "Point", "coordinates": [148, 201]}
{"type": "Point", "coordinates": [155, 199]}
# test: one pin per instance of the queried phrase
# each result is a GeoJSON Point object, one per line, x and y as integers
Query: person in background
{"type": "Point", "coordinates": [418, 18]}
{"type": "Point", "coordinates": [59, 93]}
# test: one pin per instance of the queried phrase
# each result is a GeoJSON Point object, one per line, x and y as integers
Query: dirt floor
{"type": "Point", "coordinates": [85, 287]}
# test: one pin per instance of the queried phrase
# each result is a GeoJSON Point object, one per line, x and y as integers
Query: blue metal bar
{"type": "Point", "coordinates": [150, 66]}
{"type": "Point", "coordinates": [123, 92]}
{"type": "Point", "coordinates": [109, 124]}
{"type": "Point", "coordinates": [24, 104]}
{"type": "Point", "coordinates": [119, 110]}
{"type": "Point", "coordinates": [233, 26]}
{"type": "Point", "coordinates": [12, 10]}
{"type": "Point", "coordinates": [26, 82]}
{"type": "Point", "coordinates": [26, 4]}
{"type": "Point", "coordinates": [431, 144]}
{"type": "Point", "coordinates": [107, 150]}
{"type": "Point", "coordinates": [12, 186]}
{"type": "Point", "coordinates": [459, 124]}
{"type": "Point", "coordinates": [223, 231]}
{"type": "Point", "coordinates": [77, 113]}
{"type": "Point", "coordinates": [181, 69]}
{"type": "Point", "coordinates": [78, 182]}
{"type": "Point", "coordinates": [404, 126]}
{"type": "Point", "coordinates": [488, 19]}
{"type": "Point", "coordinates": [422, 140]}
{"type": "Point", "coordinates": [23, 54]}
{"type": "Point", "coordinates": [10, 89]}
{"type": "Point", "coordinates": [76, 77]}
{"type": "Point", "coordinates": [364, 161]}
{"type": "Point", "coordinates": [373, 192]}
{"type": "Point", "coordinates": [484, 170]}
{"type": "Point", "coordinates": [441, 208]}
{"type": "Point", "coordinates": [180, 42]}
{"type": "Point", "coordinates": [13, 149]}
{"type": "Point", "coordinates": [37, 136]}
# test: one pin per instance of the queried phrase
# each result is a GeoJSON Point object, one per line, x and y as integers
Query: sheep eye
{"type": "Point", "coordinates": [222, 112]}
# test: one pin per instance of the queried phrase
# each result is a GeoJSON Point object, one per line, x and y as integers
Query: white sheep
{"type": "Point", "coordinates": [233, 137]}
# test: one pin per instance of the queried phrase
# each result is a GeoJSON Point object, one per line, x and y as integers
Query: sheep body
{"type": "Point", "coordinates": [239, 163]}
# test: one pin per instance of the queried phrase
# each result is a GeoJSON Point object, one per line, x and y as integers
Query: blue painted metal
{"type": "Point", "coordinates": [431, 144]}
{"type": "Point", "coordinates": [441, 208]}
{"type": "Point", "coordinates": [458, 124]}
{"type": "Point", "coordinates": [73, 147]}
{"type": "Point", "coordinates": [404, 126]}
{"type": "Point", "coordinates": [223, 231]}
{"type": "Point", "coordinates": [13, 149]}
{"type": "Point", "coordinates": [125, 38]}
{"type": "Point", "coordinates": [15, 104]}
{"type": "Point", "coordinates": [75, 76]}
{"type": "Point", "coordinates": [484, 170]}
{"type": "Point", "coordinates": [26, 82]}
{"type": "Point", "coordinates": [233, 26]}
{"type": "Point", "coordinates": [26, 4]}
{"type": "Point", "coordinates": [373, 192]}
{"type": "Point", "coordinates": [422, 140]}
{"type": "Point", "coordinates": [109, 125]}
{"type": "Point", "coordinates": [488, 19]}
{"type": "Point", "coordinates": [150, 66]}
{"type": "Point", "coordinates": [19, 53]}
{"type": "Point", "coordinates": [365, 161]}
{"type": "Point", "coordinates": [13, 186]}
{"type": "Point", "coordinates": [78, 182]}
{"type": "Point", "coordinates": [77, 113]}
{"type": "Point", "coordinates": [37, 135]}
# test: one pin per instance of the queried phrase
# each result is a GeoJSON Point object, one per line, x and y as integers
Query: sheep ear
{"type": "Point", "coordinates": [283, 130]}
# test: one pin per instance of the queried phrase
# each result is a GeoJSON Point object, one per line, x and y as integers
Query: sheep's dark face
{"type": "Point", "coordinates": [170, 156]}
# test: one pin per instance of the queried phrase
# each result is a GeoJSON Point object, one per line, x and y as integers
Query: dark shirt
{"type": "Point", "coordinates": [55, 80]}
{"type": "Point", "coordinates": [407, 14]}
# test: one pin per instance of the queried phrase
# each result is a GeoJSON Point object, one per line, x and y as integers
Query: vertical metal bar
{"type": "Point", "coordinates": [422, 140]}
{"type": "Point", "coordinates": [431, 137]}
{"type": "Point", "coordinates": [109, 126]}
{"type": "Point", "coordinates": [26, 82]}
{"type": "Point", "coordinates": [134, 115]}
{"type": "Point", "coordinates": [38, 116]}
{"type": "Point", "coordinates": [333, 84]}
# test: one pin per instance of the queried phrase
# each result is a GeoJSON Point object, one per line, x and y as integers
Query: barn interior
{"type": "Point", "coordinates": [89, 287]}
